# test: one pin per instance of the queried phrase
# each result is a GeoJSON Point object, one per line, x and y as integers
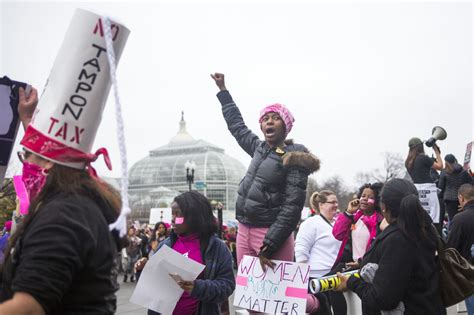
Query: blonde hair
{"type": "Point", "coordinates": [319, 197]}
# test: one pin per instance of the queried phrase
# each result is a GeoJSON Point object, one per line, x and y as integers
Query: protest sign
{"type": "Point", "coordinates": [156, 289]}
{"type": "Point", "coordinates": [9, 119]}
{"type": "Point", "coordinates": [428, 195]}
{"type": "Point", "coordinates": [281, 290]}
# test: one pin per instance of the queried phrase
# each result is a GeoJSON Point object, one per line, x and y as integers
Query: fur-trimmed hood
{"type": "Point", "coordinates": [303, 159]}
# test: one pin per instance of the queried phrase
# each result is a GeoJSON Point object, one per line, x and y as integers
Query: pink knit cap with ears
{"type": "Point", "coordinates": [284, 113]}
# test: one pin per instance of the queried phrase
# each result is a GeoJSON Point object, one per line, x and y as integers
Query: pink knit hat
{"type": "Point", "coordinates": [284, 113]}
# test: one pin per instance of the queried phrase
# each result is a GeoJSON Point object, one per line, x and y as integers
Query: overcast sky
{"type": "Point", "coordinates": [360, 79]}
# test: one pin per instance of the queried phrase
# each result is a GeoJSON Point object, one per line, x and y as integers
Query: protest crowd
{"type": "Point", "coordinates": [405, 246]}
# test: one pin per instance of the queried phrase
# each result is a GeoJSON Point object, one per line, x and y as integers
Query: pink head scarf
{"type": "Point", "coordinates": [284, 113]}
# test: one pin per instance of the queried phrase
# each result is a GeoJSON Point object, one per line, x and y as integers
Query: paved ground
{"type": "Point", "coordinates": [125, 307]}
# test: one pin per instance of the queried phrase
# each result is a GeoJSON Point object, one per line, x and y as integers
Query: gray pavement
{"type": "Point", "coordinates": [125, 307]}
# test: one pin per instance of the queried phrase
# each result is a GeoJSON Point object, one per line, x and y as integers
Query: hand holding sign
{"type": "Point", "coordinates": [266, 262]}
{"type": "Point", "coordinates": [281, 289]}
{"type": "Point", "coordinates": [27, 105]}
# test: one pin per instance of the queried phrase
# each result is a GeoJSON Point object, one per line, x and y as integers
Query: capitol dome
{"type": "Point", "coordinates": [217, 175]}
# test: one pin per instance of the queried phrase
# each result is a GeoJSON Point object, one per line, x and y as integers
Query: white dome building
{"type": "Point", "coordinates": [217, 175]}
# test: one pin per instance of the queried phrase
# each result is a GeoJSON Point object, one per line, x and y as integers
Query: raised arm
{"type": "Point", "coordinates": [27, 105]}
{"type": "Point", "coordinates": [235, 123]}
{"type": "Point", "coordinates": [438, 164]}
{"type": "Point", "coordinates": [344, 221]}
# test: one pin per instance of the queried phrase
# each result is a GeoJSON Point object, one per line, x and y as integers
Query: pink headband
{"type": "Point", "coordinates": [283, 112]}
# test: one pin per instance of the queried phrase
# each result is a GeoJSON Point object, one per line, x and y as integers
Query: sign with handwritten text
{"type": "Point", "coordinates": [281, 290]}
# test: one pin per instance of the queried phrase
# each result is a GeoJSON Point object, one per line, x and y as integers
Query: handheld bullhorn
{"type": "Point", "coordinates": [438, 133]}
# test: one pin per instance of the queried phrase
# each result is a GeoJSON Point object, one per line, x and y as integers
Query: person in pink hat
{"type": "Point", "coordinates": [272, 193]}
{"type": "Point", "coordinates": [61, 259]}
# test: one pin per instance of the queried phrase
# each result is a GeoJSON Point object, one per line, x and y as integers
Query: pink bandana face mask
{"type": "Point", "coordinates": [34, 178]}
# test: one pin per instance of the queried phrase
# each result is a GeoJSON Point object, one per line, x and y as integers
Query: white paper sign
{"type": "Point", "coordinates": [281, 290]}
{"type": "Point", "coordinates": [156, 290]}
{"type": "Point", "coordinates": [428, 195]}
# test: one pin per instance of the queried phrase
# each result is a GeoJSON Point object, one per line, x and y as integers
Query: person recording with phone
{"type": "Point", "coordinates": [358, 226]}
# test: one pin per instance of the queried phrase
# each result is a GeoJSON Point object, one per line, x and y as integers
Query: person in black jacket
{"type": "Point", "coordinates": [405, 253]}
{"type": "Point", "coordinates": [62, 258]}
{"type": "Point", "coordinates": [452, 177]}
{"type": "Point", "coordinates": [461, 235]}
{"type": "Point", "coordinates": [272, 193]}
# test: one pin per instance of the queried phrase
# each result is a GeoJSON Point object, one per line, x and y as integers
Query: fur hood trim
{"type": "Point", "coordinates": [303, 159]}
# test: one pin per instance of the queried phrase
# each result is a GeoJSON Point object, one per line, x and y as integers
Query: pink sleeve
{"type": "Point", "coordinates": [342, 227]}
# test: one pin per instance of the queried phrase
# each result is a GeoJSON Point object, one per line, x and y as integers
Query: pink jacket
{"type": "Point", "coordinates": [342, 228]}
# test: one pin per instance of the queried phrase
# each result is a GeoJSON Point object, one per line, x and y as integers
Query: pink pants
{"type": "Point", "coordinates": [249, 241]}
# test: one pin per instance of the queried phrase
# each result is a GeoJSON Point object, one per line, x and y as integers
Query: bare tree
{"type": "Point", "coordinates": [394, 167]}
{"type": "Point", "coordinates": [310, 189]}
{"type": "Point", "coordinates": [362, 178]}
{"type": "Point", "coordinates": [343, 193]}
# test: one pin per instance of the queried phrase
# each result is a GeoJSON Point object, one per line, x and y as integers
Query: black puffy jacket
{"type": "Point", "coordinates": [273, 191]}
{"type": "Point", "coordinates": [450, 183]}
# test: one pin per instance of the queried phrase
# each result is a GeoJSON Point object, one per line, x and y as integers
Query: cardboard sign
{"type": "Point", "coordinates": [281, 290]}
{"type": "Point", "coordinates": [9, 120]}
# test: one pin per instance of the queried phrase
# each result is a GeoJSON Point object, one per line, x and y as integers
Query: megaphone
{"type": "Point", "coordinates": [438, 133]}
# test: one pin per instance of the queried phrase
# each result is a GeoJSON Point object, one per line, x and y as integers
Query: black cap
{"type": "Point", "coordinates": [450, 158]}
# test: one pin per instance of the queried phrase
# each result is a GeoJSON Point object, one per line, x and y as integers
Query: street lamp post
{"type": "Point", "coordinates": [219, 207]}
{"type": "Point", "coordinates": [190, 167]}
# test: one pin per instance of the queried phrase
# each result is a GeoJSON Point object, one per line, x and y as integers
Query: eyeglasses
{"type": "Point", "coordinates": [23, 155]}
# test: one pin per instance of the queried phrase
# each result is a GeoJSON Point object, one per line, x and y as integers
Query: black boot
{"type": "Point", "coordinates": [125, 278]}
{"type": "Point", "coordinates": [132, 279]}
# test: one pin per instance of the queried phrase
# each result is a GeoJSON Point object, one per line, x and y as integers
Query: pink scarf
{"type": "Point", "coordinates": [371, 222]}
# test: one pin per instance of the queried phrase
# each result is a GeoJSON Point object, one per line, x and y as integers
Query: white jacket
{"type": "Point", "coordinates": [316, 245]}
